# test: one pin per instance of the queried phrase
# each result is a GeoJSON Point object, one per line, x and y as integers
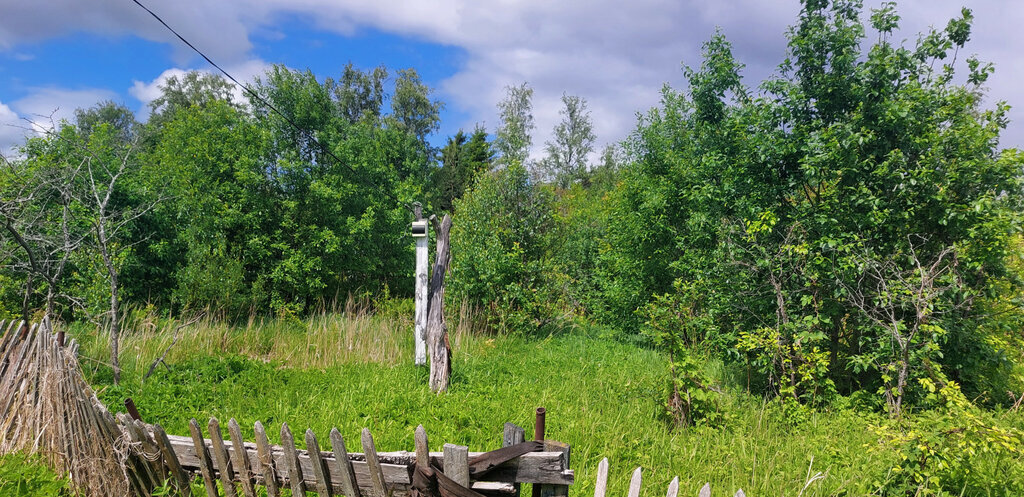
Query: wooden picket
{"type": "Point", "coordinates": [635, 482]}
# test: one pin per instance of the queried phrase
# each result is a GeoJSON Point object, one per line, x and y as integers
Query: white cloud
{"type": "Point", "coordinates": [616, 54]}
{"type": "Point", "coordinates": [12, 131]}
{"type": "Point", "coordinates": [46, 106]}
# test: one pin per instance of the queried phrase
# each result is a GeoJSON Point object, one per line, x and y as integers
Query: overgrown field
{"type": "Point", "coordinates": [603, 397]}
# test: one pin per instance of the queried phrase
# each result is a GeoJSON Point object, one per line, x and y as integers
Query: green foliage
{"type": "Point", "coordinates": [513, 137]}
{"type": "Point", "coordinates": [501, 259]}
{"type": "Point", "coordinates": [677, 323]}
{"type": "Point", "coordinates": [953, 449]}
{"type": "Point", "coordinates": [573, 140]}
{"type": "Point", "coordinates": [805, 205]}
{"type": "Point", "coordinates": [28, 476]}
{"type": "Point", "coordinates": [463, 158]}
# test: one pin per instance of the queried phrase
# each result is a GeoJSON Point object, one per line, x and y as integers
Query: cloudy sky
{"type": "Point", "coordinates": [58, 55]}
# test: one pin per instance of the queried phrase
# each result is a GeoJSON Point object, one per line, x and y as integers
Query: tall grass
{"type": "Point", "coordinates": [358, 332]}
{"type": "Point", "coordinates": [352, 370]}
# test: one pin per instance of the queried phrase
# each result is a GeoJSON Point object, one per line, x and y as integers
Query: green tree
{"type": "Point", "coordinates": [360, 94]}
{"type": "Point", "coordinates": [854, 153]}
{"type": "Point", "coordinates": [463, 158]}
{"type": "Point", "coordinates": [513, 136]}
{"type": "Point", "coordinates": [412, 109]}
{"type": "Point", "coordinates": [501, 257]}
{"type": "Point", "coordinates": [573, 142]}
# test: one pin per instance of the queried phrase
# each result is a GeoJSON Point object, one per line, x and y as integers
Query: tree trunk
{"type": "Point", "coordinates": [115, 302]}
{"type": "Point", "coordinates": [437, 330]}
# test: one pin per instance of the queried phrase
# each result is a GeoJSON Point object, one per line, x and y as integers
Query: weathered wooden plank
{"type": "Point", "coordinates": [202, 457]}
{"type": "Point", "coordinates": [548, 490]}
{"type": "Point", "coordinates": [345, 472]}
{"type": "Point", "coordinates": [380, 488]}
{"type": "Point", "coordinates": [240, 458]}
{"type": "Point", "coordinates": [705, 491]}
{"type": "Point", "coordinates": [634, 484]}
{"type": "Point", "coordinates": [181, 479]}
{"type": "Point", "coordinates": [265, 460]}
{"type": "Point", "coordinates": [739, 493]}
{"type": "Point", "coordinates": [291, 462]}
{"type": "Point", "coordinates": [601, 487]}
{"type": "Point", "coordinates": [512, 434]}
{"type": "Point", "coordinates": [422, 447]}
{"type": "Point", "coordinates": [323, 484]}
{"type": "Point", "coordinates": [220, 456]}
{"type": "Point", "coordinates": [673, 488]}
{"type": "Point", "coordinates": [456, 463]}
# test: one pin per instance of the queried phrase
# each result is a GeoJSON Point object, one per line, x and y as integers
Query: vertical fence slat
{"type": "Point", "coordinates": [266, 459]}
{"type": "Point", "coordinates": [373, 464]}
{"type": "Point", "coordinates": [511, 435]}
{"type": "Point", "coordinates": [291, 461]}
{"type": "Point", "coordinates": [422, 448]}
{"type": "Point", "coordinates": [456, 463]}
{"type": "Point", "coordinates": [739, 493]}
{"type": "Point", "coordinates": [220, 455]}
{"type": "Point", "coordinates": [602, 478]}
{"type": "Point", "coordinates": [240, 458]}
{"type": "Point", "coordinates": [205, 464]}
{"type": "Point", "coordinates": [634, 483]}
{"type": "Point", "coordinates": [323, 484]}
{"type": "Point", "coordinates": [673, 488]}
{"type": "Point", "coordinates": [345, 469]}
{"type": "Point", "coordinates": [705, 491]}
{"type": "Point", "coordinates": [172, 461]}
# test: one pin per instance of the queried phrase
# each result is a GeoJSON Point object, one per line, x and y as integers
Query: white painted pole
{"type": "Point", "coordinates": [419, 332]}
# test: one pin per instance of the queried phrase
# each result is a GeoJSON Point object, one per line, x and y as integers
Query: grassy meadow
{"type": "Point", "coordinates": [352, 370]}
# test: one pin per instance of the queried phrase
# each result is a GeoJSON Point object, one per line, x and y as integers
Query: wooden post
{"type": "Point", "coordinates": [240, 458]}
{"type": "Point", "coordinates": [421, 234]}
{"type": "Point", "coordinates": [437, 330]}
{"type": "Point", "coordinates": [180, 478]}
{"type": "Point", "coordinates": [345, 470]}
{"type": "Point", "coordinates": [422, 448]}
{"type": "Point", "coordinates": [266, 459]}
{"type": "Point", "coordinates": [634, 483]}
{"type": "Point", "coordinates": [456, 463]}
{"type": "Point", "coordinates": [673, 488]}
{"type": "Point", "coordinates": [513, 434]}
{"type": "Point", "coordinates": [380, 489]}
{"type": "Point", "coordinates": [205, 464]}
{"type": "Point", "coordinates": [323, 484]}
{"type": "Point", "coordinates": [602, 478]}
{"type": "Point", "coordinates": [220, 454]}
{"type": "Point", "coordinates": [291, 461]}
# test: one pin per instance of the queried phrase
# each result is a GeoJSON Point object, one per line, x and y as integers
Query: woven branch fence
{"type": "Point", "coordinates": [50, 410]}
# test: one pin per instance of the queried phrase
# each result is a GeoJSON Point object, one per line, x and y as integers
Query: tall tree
{"type": "Point", "coordinates": [513, 137]}
{"type": "Point", "coordinates": [360, 94]}
{"type": "Point", "coordinates": [412, 107]}
{"type": "Point", "coordinates": [463, 158]}
{"type": "Point", "coordinates": [573, 141]}
{"type": "Point", "coordinates": [194, 88]}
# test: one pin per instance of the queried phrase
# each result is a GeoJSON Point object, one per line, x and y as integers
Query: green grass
{"type": "Point", "coordinates": [28, 476]}
{"type": "Point", "coordinates": [602, 397]}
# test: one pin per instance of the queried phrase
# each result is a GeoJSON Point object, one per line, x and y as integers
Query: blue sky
{"type": "Point", "coordinates": [63, 54]}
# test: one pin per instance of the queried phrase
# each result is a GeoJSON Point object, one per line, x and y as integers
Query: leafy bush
{"type": "Point", "coordinates": [27, 476]}
{"type": "Point", "coordinates": [501, 258]}
{"type": "Point", "coordinates": [954, 449]}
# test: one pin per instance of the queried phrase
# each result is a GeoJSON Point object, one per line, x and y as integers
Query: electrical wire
{"type": "Point", "coordinates": [271, 106]}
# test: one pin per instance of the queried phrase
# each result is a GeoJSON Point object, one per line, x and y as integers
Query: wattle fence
{"type": "Point", "coordinates": [49, 409]}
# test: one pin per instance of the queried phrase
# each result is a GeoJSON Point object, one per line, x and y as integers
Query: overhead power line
{"type": "Point", "coordinates": [304, 132]}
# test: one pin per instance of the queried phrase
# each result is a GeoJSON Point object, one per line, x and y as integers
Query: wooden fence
{"type": "Point", "coordinates": [46, 407]}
